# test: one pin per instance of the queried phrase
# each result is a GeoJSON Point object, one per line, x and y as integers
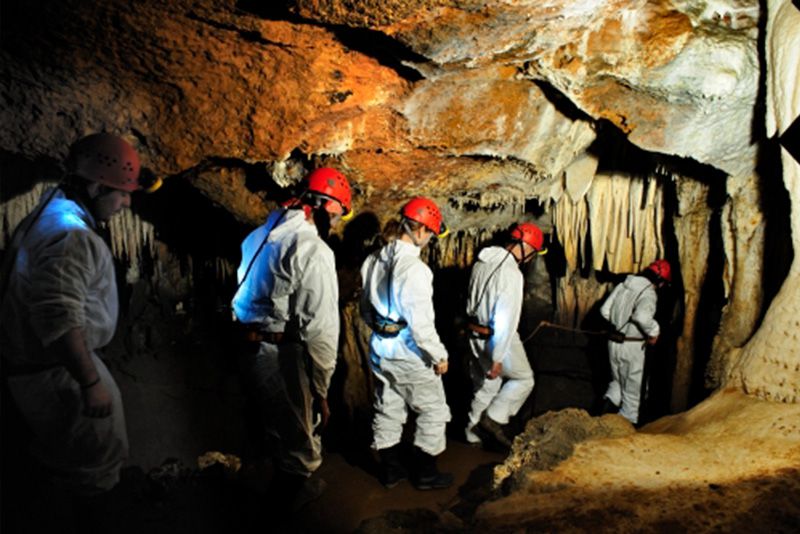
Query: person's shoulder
{"type": "Point", "coordinates": [311, 245]}
{"type": "Point", "coordinates": [413, 266]}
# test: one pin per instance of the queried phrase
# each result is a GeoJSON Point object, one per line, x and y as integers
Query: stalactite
{"type": "Point", "coordinates": [224, 270]}
{"type": "Point", "coordinates": [458, 249]}
{"type": "Point", "coordinates": [14, 210]}
{"type": "Point", "coordinates": [613, 218]}
{"type": "Point", "coordinates": [620, 215]}
{"type": "Point", "coordinates": [571, 221]}
{"type": "Point", "coordinates": [625, 215]}
{"type": "Point", "coordinates": [130, 238]}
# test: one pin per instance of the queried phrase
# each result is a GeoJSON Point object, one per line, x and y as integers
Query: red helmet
{"type": "Point", "coordinates": [662, 270]}
{"type": "Point", "coordinates": [332, 184]}
{"type": "Point", "coordinates": [528, 233]}
{"type": "Point", "coordinates": [424, 211]}
{"type": "Point", "coordinates": [107, 159]}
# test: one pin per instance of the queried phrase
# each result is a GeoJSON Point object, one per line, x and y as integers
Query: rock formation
{"type": "Point", "coordinates": [634, 127]}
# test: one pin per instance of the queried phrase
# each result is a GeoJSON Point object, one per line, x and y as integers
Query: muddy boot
{"type": "Point", "coordinates": [427, 476]}
{"type": "Point", "coordinates": [495, 430]}
{"type": "Point", "coordinates": [392, 470]}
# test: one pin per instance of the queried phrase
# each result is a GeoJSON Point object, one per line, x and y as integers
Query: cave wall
{"type": "Point", "coordinates": [769, 364]}
{"type": "Point", "coordinates": [485, 106]}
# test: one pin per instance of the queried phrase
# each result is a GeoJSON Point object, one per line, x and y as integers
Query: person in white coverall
{"type": "Point", "coordinates": [501, 374]}
{"type": "Point", "coordinates": [60, 307]}
{"type": "Point", "coordinates": [407, 356]}
{"type": "Point", "coordinates": [631, 309]}
{"type": "Point", "coordinates": [287, 304]}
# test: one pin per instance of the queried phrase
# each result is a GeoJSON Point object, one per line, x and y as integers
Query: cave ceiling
{"type": "Point", "coordinates": [476, 104]}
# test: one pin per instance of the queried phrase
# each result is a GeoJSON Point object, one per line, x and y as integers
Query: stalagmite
{"type": "Point", "coordinates": [743, 233]}
{"type": "Point", "coordinates": [692, 232]}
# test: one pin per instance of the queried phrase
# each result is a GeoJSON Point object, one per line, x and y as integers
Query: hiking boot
{"type": "Point", "coordinates": [495, 430]}
{"type": "Point", "coordinates": [392, 470]}
{"type": "Point", "coordinates": [427, 475]}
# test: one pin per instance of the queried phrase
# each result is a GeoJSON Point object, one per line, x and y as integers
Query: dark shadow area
{"type": "Point", "coordinates": [564, 372]}
{"type": "Point", "coordinates": [377, 45]}
{"type": "Point", "coordinates": [790, 139]}
{"type": "Point", "coordinates": [561, 102]}
{"type": "Point", "coordinates": [777, 209]}
{"type": "Point", "coordinates": [475, 491]}
{"type": "Point", "coordinates": [18, 174]}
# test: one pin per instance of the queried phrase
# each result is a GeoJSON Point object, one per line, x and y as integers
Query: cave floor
{"type": "Point", "coordinates": [177, 499]}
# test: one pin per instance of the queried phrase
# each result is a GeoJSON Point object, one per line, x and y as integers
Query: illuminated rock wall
{"type": "Point", "coordinates": [484, 105]}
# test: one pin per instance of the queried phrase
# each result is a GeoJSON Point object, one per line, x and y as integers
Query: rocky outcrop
{"type": "Point", "coordinates": [550, 439]}
{"type": "Point", "coordinates": [730, 463]}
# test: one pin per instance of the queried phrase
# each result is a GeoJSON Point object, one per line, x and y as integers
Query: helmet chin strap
{"type": "Point", "coordinates": [524, 257]}
{"type": "Point", "coordinates": [407, 229]}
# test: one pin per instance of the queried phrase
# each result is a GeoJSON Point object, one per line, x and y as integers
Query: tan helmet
{"type": "Point", "coordinates": [109, 160]}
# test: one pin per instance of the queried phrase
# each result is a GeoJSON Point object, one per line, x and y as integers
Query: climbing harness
{"type": "Point", "coordinates": [476, 329]}
{"type": "Point", "coordinates": [383, 325]}
{"type": "Point", "coordinates": [484, 332]}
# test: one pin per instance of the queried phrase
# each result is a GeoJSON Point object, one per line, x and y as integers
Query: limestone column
{"type": "Point", "coordinates": [769, 365]}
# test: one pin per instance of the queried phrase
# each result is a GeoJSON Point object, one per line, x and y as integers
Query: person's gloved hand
{"type": "Point", "coordinates": [652, 340]}
{"type": "Point", "coordinates": [96, 400]}
{"type": "Point", "coordinates": [440, 368]}
{"type": "Point", "coordinates": [494, 372]}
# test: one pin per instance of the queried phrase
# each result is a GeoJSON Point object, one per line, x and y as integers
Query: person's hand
{"type": "Point", "coordinates": [440, 368]}
{"type": "Point", "coordinates": [494, 372]}
{"type": "Point", "coordinates": [96, 401]}
{"type": "Point", "coordinates": [321, 407]}
{"type": "Point", "coordinates": [652, 340]}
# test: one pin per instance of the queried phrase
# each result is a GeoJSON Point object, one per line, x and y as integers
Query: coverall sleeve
{"type": "Point", "coordinates": [60, 278]}
{"type": "Point", "coordinates": [318, 313]}
{"type": "Point", "coordinates": [364, 307]}
{"type": "Point", "coordinates": [506, 313]}
{"type": "Point", "coordinates": [416, 296]}
{"type": "Point", "coordinates": [644, 312]}
{"type": "Point", "coordinates": [605, 309]}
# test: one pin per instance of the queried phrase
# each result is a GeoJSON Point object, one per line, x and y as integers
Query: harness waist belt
{"type": "Point", "coordinates": [478, 330]}
{"type": "Point", "coordinates": [252, 333]}
{"type": "Point", "coordinates": [385, 327]}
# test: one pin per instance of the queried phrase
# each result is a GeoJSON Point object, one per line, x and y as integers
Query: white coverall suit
{"type": "Point", "coordinates": [499, 308]}
{"type": "Point", "coordinates": [403, 365]}
{"type": "Point", "coordinates": [63, 278]}
{"type": "Point", "coordinates": [291, 288]}
{"type": "Point", "coordinates": [631, 308]}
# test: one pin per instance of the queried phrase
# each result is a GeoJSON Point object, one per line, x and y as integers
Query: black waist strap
{"type": "Point", "coordinates": [478, 330]}
{"type": "Point", "coordinates": [254, 333]}
{"type": "Point", "coordinates": [385, 327]}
